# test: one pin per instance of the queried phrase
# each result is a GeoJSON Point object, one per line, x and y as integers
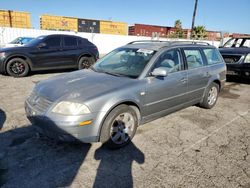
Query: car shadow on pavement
{"type": "Point", "coordinates": [27, 160]}
{"type": "Point", "coordinates": [2, 118]}
{"type": "Point", "coordinates": [115, 168]}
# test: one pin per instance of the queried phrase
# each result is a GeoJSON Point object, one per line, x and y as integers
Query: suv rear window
{"type": "Point", "coordinates": [212, 56]}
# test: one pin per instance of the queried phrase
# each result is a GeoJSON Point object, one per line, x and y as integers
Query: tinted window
{"type": "Point", "coordinates": [170, 61]}
{"type": "Point", "coordinates": [81, 42]}
{"type": "Point", "coordinates": [53, 42]}
{"type": "Point", "coordinates": [70, 41]}
{"type": "Point", "coordinates": [212, 56]}
{"type": "Point", "coordinates": [193, 58]}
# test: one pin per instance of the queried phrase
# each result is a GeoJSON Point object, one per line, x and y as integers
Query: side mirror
{"type": "Point", "coordinates": [42, 45]}
{"type": "Point", "coordinates": [159, 72]}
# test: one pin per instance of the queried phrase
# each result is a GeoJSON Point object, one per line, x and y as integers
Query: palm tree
{"type": "Point", "coordinates": [178, 24]}
{"type": "Point", "coordinates": [199, 32]}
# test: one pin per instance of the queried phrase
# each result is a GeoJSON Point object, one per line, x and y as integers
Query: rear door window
{"type": "Point", "coordinates": [194, 58]}
{"type": "Point", "coordinates": [70, 41]}
{"type": "Point", "coordinates": [212, 56]}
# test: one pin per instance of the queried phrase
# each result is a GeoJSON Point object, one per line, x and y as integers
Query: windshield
{"type": "Point", "coordinates": [238, 42]}
{"type": "Point", "coordinates": [35, 41]}
{"type": "Point", "coordinates": [124, 62]}
{"type": "Point", "coordinates": [21, 40]}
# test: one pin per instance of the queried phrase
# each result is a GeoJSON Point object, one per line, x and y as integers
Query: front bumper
{"type": "Point", "coordinates": [64, 128]}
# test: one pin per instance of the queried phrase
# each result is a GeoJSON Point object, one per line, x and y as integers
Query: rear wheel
{"type": "Point", "coordinates": [119, 127]}
{"type": "Point", "coordinates": [17, 67]}
{"type": "Point", "coordinates": [211, 96]}
{"type": "Point", "coordinates": [85, 62]}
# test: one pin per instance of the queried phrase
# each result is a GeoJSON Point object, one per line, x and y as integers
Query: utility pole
{"type": "Point", "coordinates": [194, 14]}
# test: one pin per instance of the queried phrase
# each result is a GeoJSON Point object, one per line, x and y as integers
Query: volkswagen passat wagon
{"type": "Point", "coordinates": [130, 86]}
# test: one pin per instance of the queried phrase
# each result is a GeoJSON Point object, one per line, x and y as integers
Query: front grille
{"type": "Point", "coordinates": [231, 58]}
{"type": "Point", "coordinates": [38, 103]}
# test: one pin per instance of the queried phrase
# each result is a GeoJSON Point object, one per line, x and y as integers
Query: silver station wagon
{"type": "Point", "coordinates": [130, 86]}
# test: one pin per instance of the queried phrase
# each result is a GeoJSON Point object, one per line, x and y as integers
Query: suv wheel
{"type": "Point", "coordinates": [85, 62]}
{"type": "Point", "coordinates": [119, 127]}
{"type": "Point", "coordinates": [211, 96]}
{"type": "Point", "coordinates": [17, 67]}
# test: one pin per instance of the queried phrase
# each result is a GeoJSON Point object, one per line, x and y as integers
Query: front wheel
{"type": "Point", "coordinates": [85, 62]}
{"type": "Point", "coordinates": [119, 127]}
{"type": "Point", "coordinates": [17, 67]}
{"type": "Point", "coordinates": [211, 96]}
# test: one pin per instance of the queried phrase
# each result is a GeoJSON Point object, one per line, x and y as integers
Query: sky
{"type": "Point", "coordinates": [216, 15]}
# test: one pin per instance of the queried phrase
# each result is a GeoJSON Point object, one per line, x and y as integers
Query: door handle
{"type": "Point", "coordinates": [184, 80]}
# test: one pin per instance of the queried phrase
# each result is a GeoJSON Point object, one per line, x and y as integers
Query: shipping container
{"type": "Point", "coordinates": [148, 30]}
{"type": "Point", "coordinates": [171, 33]}
{"type": "Point", "coordinates": [213, 35]}
{"type": "Point", "coordinates": [88, 26]}
{"type": "Point", "coordinates": [115, 28]}
{"type": "Point", "coordinates": [61, 23]}
{"type": "Point", "coordinates": [9, 18]}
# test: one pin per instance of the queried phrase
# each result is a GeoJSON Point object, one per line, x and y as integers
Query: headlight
{"type": "Point", "coordinates": [70, 108]}
{"type": "Point", "coordinates": [247, 59]}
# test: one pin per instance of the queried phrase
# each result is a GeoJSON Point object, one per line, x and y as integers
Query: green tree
{"type": "Point", "coordinates": [178, 30]}
{"type": "Point", "coordinates": [199, 32]}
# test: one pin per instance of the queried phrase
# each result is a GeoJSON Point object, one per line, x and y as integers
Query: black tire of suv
{"type": "Point", "coordinates": [205, 102]}
{"type": "Point", "coordinates": [105, 136]}
{"type": "Point", "coordinates": [85, 62]}
{"type": "Point", "coordinates": [21, 66]}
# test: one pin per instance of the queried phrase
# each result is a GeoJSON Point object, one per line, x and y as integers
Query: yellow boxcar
{"type": "Point", "coordinates": [9, 18]}
{"type": "Point", "coordinates": [61, 23]}
{"type": "Point", "coordinates": [115, 28]}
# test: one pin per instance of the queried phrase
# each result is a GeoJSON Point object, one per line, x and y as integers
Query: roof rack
{"type": "Point", "coordinates": [189, 42]}
{"type": "Point", "coordinates": [170, 42]}
{"type": "Point", "coordinates": [141, 41]}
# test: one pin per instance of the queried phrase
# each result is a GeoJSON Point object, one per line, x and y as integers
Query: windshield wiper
{"type": "Point", "coordinates": [113, 74]}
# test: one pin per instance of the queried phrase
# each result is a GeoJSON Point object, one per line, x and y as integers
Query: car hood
{"type": "Point", "coordinates": [240, 51]}
{"type": "Point", "coordinates": [81, 85]}
{"type": "Point", "coordinates": [12, 49]}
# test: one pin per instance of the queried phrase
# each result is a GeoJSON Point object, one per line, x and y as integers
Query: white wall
{"type": "Point", "coordinates": [105, 43]}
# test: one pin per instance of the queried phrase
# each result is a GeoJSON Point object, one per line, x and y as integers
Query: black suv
{"type": "Point", "coordinates": [236, 53]}
{"type": "Point", "coordinates": [48, 52]}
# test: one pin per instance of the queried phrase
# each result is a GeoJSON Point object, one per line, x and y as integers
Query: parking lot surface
{"type": "Point", "coordinates": [191, 148]}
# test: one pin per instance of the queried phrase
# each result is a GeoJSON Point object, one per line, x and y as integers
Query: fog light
{"type": "Point", "coordinates": [85, 122]}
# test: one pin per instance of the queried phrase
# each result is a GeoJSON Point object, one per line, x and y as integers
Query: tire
{"type": "Point", "coordinates": [17, 67]}
{"type": "Point", "coordinates": [85, 62]}
{"type": "Point", "coordinates": [116, 130]}
{"type": "Point", "coordinates": [211, 96]}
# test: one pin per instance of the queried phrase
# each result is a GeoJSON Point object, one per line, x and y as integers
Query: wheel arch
{"type": "Point", "coordinates": [130, 103]}
{"type": "Point", "coordinates": [22, 56]}
{"type": "Point", "coordinates": [85, 54]}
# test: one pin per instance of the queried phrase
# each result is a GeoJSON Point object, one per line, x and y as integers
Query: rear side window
{"type": "Point", "coordinates": [212, 56]}
{"type": "Point", "coordinates": [194, 58]}
{"type": "Point", "coordinates": [81, 42]}
{"type": "Point", "coordinates": [53, 42]}
{"type": "Point", "coordinates": [70, 41]}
